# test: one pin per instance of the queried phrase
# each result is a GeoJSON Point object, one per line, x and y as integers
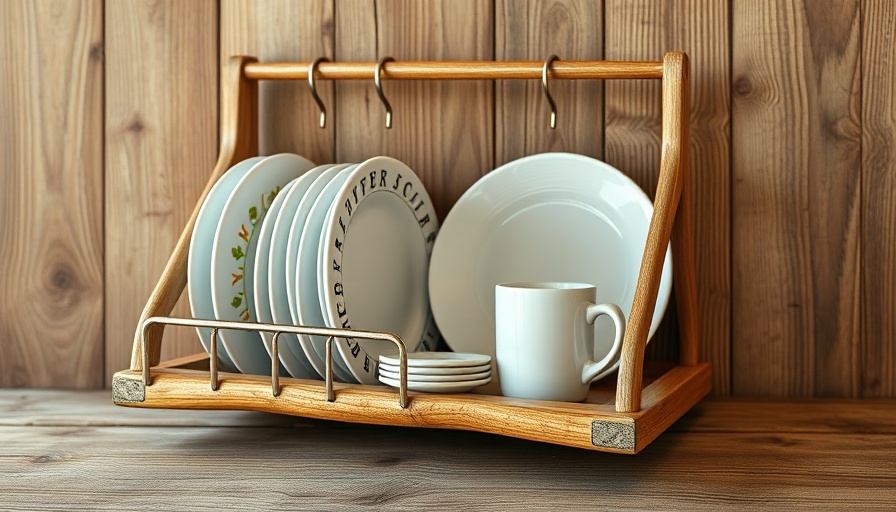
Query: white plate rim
{"type": "Point", "coordinates": [423, 370]}
{"type": "Point", "coordinates": [288, 346]}
{"type": "Point", "coordinates": [416, 377]}
{"type": "Point", "coordinates": [308, 310]}
{"type": "Point", "coordinates": [381, 174]}
{"type": "Point", "coordinates": [439, 387]}
{"type": "Point", "coordinates": [439, 360]}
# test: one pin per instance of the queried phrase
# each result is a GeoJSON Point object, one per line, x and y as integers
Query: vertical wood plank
{"type": "Point", "coordinates": [51, 189]}
{"type": "Point", "coordinates": [161, 145]}
{"type": "Point", "coordinates": [795, 217]}
{"type": "Point", "coordinates": [285, 31]}
{"type": "Point", "coordinates": [645, 30]}
{"type": "Point", "coordinates": [533, 30]}
{"type": "Point", "coordinates": [442, 130]}
{"type": "Point", "coordinates": [877, 368]}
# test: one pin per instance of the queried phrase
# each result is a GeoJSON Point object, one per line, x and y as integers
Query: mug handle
{"type": "Point", "coordinates": [593, 370]}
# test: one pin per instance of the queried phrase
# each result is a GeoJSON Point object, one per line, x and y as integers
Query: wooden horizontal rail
{"type": "Point", "coordinates": [460, 70]}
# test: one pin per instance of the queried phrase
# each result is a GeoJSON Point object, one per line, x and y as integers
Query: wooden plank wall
{"type": "Point", "coordinates": [110, 114]}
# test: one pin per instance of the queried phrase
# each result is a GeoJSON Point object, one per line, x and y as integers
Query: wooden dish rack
{"type": "Point", "coordinates": [622, 416]}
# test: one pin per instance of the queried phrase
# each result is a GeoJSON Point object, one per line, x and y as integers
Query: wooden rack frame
{"type": "Point", "coordinates": [646, 399]}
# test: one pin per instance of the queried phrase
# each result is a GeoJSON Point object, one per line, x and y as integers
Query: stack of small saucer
{"type": "Point", "coordinates": [438, 372]}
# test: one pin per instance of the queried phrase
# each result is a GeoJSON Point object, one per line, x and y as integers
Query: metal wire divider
{"type": "Point", "coordinates": [276, 329]}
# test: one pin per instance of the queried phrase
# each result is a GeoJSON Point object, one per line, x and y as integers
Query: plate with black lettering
{"type": "Point", "coordinates": [374, 262]}
{"type": "Point", "coordinates": [556, 217]}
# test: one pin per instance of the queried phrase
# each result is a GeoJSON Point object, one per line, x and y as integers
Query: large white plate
{"type": "Point", "coordinates": [234, 251]}
{"type": "Point", "coordinates": [199, 259]}
{"type": "Point", "coordinates": [290, 355]}
{"type": "Point", "coordinates": [308, 311]}
{"type": "Point", "coordinates": [374, 258]}
{"type": "Point", "coordinates": [546, 217]}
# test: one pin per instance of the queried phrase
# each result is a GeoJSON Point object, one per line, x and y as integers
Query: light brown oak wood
{"type": "Point", "coordinates": [161, 141]}
{"type": "Point", "coordinates": [442, 130]}
{"type": "Point", "coordinates": [51, 194]}
{"type": "Point", "coordinates": [280, 30]}
{"type": "Point", "coordinates": [796, 192]}
{"type": "Point", "coordinates": [645, 29]}
{"type": "Point", "coordinates": [593, 425]}
{"type": "Point", "coordinates": [876, 364]}
{"type": "Point", "coordinates": [534, 30]}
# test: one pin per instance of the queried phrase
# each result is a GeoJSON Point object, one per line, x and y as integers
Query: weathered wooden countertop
{"type": "Point", "coordinates": [69, 449]}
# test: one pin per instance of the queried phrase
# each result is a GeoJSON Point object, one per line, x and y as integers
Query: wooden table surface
{"type": "Point", "coordinates": [77, 450]}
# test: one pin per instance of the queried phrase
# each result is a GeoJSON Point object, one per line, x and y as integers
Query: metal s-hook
{"type": "Point", "coordinates": [320, 104]}
{"type": "Point", "coordinates": [379, 90]}
{"type": "Point", "coordinates": [547, 93]}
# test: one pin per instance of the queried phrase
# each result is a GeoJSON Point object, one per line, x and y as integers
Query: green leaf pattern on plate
{"type": "Point", "coordinates": [239, 252]}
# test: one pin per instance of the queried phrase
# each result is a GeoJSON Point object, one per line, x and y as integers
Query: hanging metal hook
{"type": "Point", "coordinates": [379, 90]}
{"type": "Point", "coordinates": [320, 104]}
{"type": "Point", "coordinates": [547, 93]}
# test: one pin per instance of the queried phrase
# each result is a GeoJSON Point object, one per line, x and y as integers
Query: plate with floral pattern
{"type": "Point", "coordinates": [200, 255]}
{"type": "Point", "coordinates": [233, 254]}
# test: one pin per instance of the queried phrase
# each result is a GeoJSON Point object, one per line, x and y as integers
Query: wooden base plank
{"type": "Point", "coordinates": [595, 426]}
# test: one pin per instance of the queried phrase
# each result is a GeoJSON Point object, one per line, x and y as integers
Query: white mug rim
{"type": "Point", "coordinates": [545, 285]}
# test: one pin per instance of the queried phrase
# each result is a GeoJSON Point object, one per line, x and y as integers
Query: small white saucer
{"type": "Point", "coordinates": [436, 378]}
{"type": "Point", "coordinates": [439, 359]}
{"type": "Point", "coordinates": [423, 370]}
{"type": "Point", "coordinates": [438, 387]}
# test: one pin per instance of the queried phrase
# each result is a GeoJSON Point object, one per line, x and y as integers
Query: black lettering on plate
{"type": "Point", "coordinates": [366, 363]}
{"type": "Point", "coordinates": [372, 180]}
{"type": "Point", "coordinates": [424, 221]}
{"type": "Point", "coordinates": [340, 308]}
{"type": "Point", "coordinates": [337, 267]}
{"type": "Point", "coordinates": [356, 349]}
{"type": "Point", "coordinates": [337, 288]}
{"type": "Point", "coordinates": [348, 207]}
{"type": "Point", "coordinates": [382, 177]}
{"type": "Point", "coordinates": [406, 187]}
{"type": "Point", "coordinates": [338, 244]}
{"type": "Point", "coordinates": [397, 181]}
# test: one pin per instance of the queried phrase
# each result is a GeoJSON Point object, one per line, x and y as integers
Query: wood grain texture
{"type": "Point", "coordinates": [161, 144]}
{"type": "Point", "coordinates": [442, 130]}
{"type": "Point", "coordinates": [286, 30]}
{"type": "Point", "coordinates": [534, 30]}
{"type": "Point", "coordinates": [646, 29]}
{"type": "Point", "coordinates": [51, 194]}
{"type": "Point", "coordinates": [741, 454]}
{"type": "Point", "coordinates": [796, 166]}
{"type": "Point", "coordinates": [667, 396]}
{"type": "Point", "coordinates": [876, 366]}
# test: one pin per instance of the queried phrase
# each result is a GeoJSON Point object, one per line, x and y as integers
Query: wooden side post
{"type": "Point", "coordinates": [239, 140]}
{"type": "Point", "coordinates": [668, 193]}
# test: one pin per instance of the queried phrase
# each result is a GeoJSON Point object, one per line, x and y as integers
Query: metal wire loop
{"type": "Point", "coordinates": [547, 92]}
{"type": "Point", "coordinates": [320, 104]}
{"type": "Point", "coordinates": [379, 89]}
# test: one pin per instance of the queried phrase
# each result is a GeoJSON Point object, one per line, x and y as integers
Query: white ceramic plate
{"type": "Point", "coordinates": [308, 310]}
{"type": "Point", "coordinates": [261, 299]}
{"type": "Point", "coordinates": [290, 353]}
{"type": "Point", "coordinates": [374, 255]}
{"type": "Point", "coordinates": [439, 387]}
{"type": "Point", "coordinates": [422, 370]}
{"type": "Point", "coordinates": [234, 251]}
{"type": "Point", "coordinates": [199, 259]}
{"type": "Point", "coordinates": [291, 239]}
{"type": "Point", "coordinates": [439, 360]}
{"type": "Point", "coordinates": [546, 217]}
{"type": "Point", "coordinates": [436, 378]}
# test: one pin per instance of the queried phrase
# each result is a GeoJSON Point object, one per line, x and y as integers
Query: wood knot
{"type": "Point", "coordinates": [97, 52]}
{"type": "Point", "coordinates": [136, 125]}
{"type": "Point", "coordinates": [743, 86]}
{"type": "Point", "coordinates": [44, 459]}
{"type": "Point", "coordinates": [62, 278]}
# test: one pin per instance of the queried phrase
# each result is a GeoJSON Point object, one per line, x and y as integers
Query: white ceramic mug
{"type": "Point", "coordinates": [545, 339]}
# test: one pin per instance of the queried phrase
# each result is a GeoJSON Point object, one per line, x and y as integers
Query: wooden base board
{"type": "Point", "coordinates": [593, 424]}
